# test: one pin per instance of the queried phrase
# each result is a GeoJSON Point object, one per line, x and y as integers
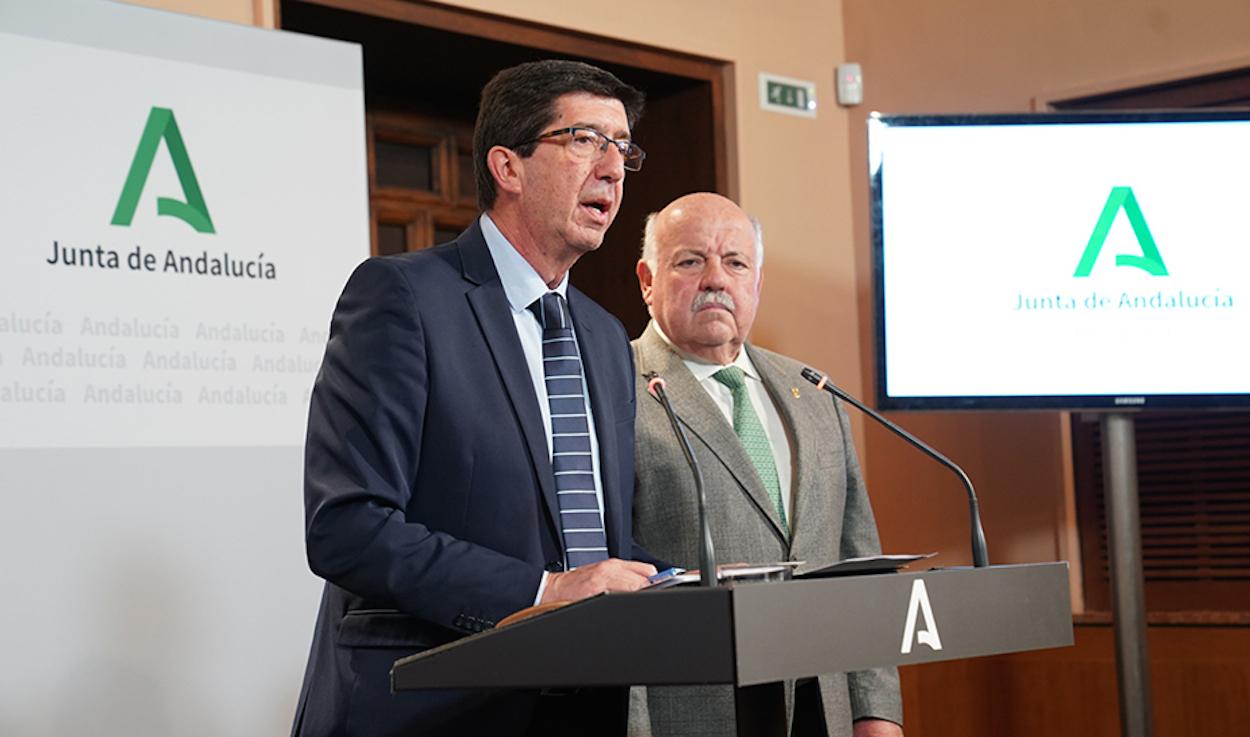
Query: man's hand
{"type": "Point", "coordinates": [612, 574]}
{"type": "Point", "coordinates": [877, 728]}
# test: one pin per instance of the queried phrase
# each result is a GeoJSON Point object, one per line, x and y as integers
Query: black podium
{"type": "Point", "coordinates": [755, 635]}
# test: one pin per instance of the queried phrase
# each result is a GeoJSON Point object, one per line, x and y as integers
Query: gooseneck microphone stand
{"type": "Point", "coordinates": [707, 555]}
{"type": "Point", "coordinates": [980, 558]}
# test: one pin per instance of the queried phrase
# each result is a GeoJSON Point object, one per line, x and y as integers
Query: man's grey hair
{"type": "Point", "coordinates": [649, 245]}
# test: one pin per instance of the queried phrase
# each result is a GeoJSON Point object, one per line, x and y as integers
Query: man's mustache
{"type": "Point", "coordinates": [718, 297]}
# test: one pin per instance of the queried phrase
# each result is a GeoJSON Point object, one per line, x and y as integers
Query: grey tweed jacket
{"type": "Point", "coordinates": [830, 515]}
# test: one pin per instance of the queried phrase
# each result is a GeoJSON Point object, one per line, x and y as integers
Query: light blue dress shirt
{"type": "Point", "coordinates": [523, 286]}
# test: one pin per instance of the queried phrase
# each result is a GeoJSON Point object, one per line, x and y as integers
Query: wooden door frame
{"type": "Point", "coordinates": [561, 41]}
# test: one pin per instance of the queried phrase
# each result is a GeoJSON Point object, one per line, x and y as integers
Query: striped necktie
{"type": "Point", "coordinates": [581, 522]}
{"type": "Point", "coordinates": [750, 431]}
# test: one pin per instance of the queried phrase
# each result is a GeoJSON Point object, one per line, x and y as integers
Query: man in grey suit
{"type": "Point", "coordinates": [782, 478]}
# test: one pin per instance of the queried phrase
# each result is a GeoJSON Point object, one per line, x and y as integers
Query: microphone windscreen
{"type": "Point", "coordinates": [654, 384]}
{"type": "Point", "coordinates": [815, 377]}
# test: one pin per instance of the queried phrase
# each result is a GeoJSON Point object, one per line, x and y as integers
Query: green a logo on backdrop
{"type": "Point", "coordinates": [161, 125]}
{"type": "Point", "coordinates": [1149, 261]}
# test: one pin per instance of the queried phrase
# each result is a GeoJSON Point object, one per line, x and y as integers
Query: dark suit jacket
{"type": "Point", "coordinates": [430, 502]}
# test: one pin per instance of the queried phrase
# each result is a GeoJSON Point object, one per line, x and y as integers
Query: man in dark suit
{"type": "Point", "coordinates": [781, 476]}
{"type": "Point", "coordinates": [470, 439]}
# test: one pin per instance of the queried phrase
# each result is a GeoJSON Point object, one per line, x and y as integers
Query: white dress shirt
{"type": "Point", "coordinates": [523, 286]}
{"type": "Point", "coordinates": [765, 409]}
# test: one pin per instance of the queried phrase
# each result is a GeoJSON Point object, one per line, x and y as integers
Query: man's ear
{"type": "Point", "coordinates": [507, 168]}
{"type": "Point", "coordinates": [644, 280]}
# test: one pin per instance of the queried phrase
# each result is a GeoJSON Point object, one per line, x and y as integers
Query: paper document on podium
{"type": "Point", "coordinates": [867, 564]}
{"type": "Point", "coordinates": [732, 572]}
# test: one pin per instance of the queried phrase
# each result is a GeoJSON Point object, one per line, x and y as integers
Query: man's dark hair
{"type": "Point", "coordinates": [519, 103]}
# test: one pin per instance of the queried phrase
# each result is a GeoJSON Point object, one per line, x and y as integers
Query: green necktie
{"type": "Point", "coordinates": [751, 432]}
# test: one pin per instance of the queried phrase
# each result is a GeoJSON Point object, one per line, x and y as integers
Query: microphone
{"type": "Point", "coordinates": [980, 558]}
{"type": "Point", "coordinates": [707, 556]}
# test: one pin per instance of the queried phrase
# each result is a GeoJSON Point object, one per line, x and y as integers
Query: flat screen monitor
{"type": "Point", "coordinates": [1052, 261]}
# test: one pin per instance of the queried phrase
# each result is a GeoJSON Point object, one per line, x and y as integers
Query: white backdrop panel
{"type": "Point", "coordinates": [153, 414]}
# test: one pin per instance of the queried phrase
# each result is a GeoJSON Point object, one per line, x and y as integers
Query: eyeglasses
{"type": "Point", "coordinates": [590, 144]}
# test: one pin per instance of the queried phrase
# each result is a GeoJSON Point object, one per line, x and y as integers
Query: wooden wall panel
{"type": "Point", "coordinates": [1200, 683]}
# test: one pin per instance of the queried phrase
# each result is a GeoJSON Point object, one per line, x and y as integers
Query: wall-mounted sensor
{"type": "Point", "coordinates": [850, 84]}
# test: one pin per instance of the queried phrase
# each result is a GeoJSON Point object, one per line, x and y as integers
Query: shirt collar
{"type": "Point", "coordinates": [703, 370]}
{"type": "Point", "coordinates": [521, 283]}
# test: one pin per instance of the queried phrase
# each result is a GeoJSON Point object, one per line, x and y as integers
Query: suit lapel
{"type": "Point", "coordinates": [494, 317]}
{"type": "Point", "coordinates": [704, 420]}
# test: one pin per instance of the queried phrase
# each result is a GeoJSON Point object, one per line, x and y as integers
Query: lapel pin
{"type": "Point", "coordinates": [795, 391]}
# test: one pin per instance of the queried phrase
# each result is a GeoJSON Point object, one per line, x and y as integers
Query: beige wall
{"type": "Point", "coordinates": [984, 56]}
{"type": "Point", "coordinates": [234, 11]}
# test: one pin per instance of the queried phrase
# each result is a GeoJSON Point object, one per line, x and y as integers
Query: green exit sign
{"type": "Point", "coordinates": [786, 95]}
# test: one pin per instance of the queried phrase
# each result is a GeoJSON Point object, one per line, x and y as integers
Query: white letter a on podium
{"type": "Point", "coordinates": [920, 605]}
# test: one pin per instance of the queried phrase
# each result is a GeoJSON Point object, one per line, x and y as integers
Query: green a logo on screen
{"type": "Point", "coordinates": [1149, 261]}
{"type": "Point", "coordinates": [162, 126]}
